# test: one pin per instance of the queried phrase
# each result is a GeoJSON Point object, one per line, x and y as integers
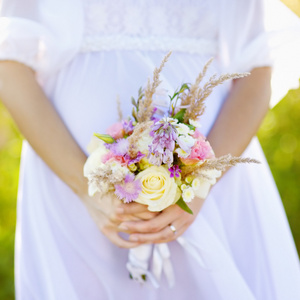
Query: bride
{"type": "Point", "coordinates": [63, 63]}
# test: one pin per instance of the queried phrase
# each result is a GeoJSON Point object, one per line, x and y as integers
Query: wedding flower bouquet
{"type": "Point", "coordinates": [159, 160]}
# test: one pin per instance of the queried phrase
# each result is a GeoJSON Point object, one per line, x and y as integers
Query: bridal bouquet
{"type": "Point", "coordinates": [159, 160]}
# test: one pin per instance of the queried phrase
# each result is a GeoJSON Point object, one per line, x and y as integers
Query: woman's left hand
{"type": "Point", "coordinates": [167, 226]}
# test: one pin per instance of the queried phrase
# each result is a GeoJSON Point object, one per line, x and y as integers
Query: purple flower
{"type": "Point", "coordinates": [137, 159]}
{"type": "Point", "coordinates": [127, 126]}
{"type": "Point", "coordinates": [164, 136]}
{"type": "Point", "coordinates": [174, 171]}
{"type": "Point", "coordinates": [119, 148]}
{"type": "Point", "coordinates": [128, 190]}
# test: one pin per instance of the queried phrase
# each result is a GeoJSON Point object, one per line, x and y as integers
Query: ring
{"type": "Point", "coordinates": [173, 228]}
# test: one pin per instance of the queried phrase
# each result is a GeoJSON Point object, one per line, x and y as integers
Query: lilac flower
{"type": "Point", "coordinates": [164, 136]}
{"type": "Point", "coordinates": [153, 118]}
{"type": "Point", "coordinates": [127, 126]}
{"type": "Point", "coordinates": [119, 148]}
{"type": "Point", "coordinates": [128, 190]}
{"type": "Point", "coordinates": [155, 159]}
{"type": "Point", "coordinates": [175, 170]}
{"type": "Point", "coordinates": [135, 160]}
{"type": "Point", "coordinates": [168, 157]}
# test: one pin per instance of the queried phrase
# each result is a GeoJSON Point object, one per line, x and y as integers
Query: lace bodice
{"type": "Point", "coordinates": [181, 25]}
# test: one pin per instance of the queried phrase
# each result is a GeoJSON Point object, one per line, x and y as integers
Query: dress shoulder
{"type": "Point", "coordinates": [43, 34]}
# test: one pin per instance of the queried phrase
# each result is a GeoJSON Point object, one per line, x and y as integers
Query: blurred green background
{"type": "Point", "coordinates": [279, 136]}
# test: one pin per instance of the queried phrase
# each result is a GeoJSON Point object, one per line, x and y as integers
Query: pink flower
{"type": "Point", "coordinates": [116, 130]}
{"type": "Point", "coordinates": [110, 157]}
{"type": "Point", "coordinates": [198, 134]}
{"type": "Point", "coordinates": [128, 190]}
{"type": "Point", "coordinates": [200, 151]}
{"type": "Point", "coordinates": [106, 157]}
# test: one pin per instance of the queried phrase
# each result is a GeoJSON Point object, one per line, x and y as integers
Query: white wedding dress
{"type": "Point", "coordinates": [86, 53]}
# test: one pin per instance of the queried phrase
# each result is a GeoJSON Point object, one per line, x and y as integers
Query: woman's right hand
{"type": "Point", "coordinates": [108, 214]}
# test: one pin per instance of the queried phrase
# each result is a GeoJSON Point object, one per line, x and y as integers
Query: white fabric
{"type": "Point", "coordinates": [241, 233]}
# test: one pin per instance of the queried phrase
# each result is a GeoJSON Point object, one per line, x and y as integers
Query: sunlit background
{"type": "Point", "coordinates": [279, 136]}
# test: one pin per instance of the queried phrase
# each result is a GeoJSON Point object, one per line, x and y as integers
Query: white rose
{"type": "Point", "coordinates": [201, 185]}
{"type": "Point", "coordinates": [159, 190]}
{"type": "Point", "coordinates": [94, 162]}
{"type": "Point", "coordinates": [94, 144]}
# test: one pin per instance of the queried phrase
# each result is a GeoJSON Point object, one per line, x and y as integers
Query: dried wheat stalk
{"type": "Point", "coordinates": [196, 107]}
{"type": "Point", "coordinates": [136, 135]}
{"type": "Point", "coordinates": [219, 164]}
{"type": "Point", "coordinates": [146, 104]}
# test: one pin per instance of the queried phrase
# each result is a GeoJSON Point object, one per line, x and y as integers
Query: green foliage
{"type": "Point", "coordinates": [279, 136]}
{"type": "Point", "coordinates": [10, 146]}
{"type": "Point", "coordinates": [180, 115]}
{"type": "Point", "coordinates": [184, 206]}
{"type": "Point", "coordinates": [106, 138]}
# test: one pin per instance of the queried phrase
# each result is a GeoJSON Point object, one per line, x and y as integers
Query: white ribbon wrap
{"type": "Point", "coordinates": [161, 262]}
{"type": "Point", "coordinates": [138, 264]}
{"type": "Point", "coordinates": [139, 261]}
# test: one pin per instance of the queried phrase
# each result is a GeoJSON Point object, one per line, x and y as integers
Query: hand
{"type": "Point", "coordinates": [157, 229]}
{"type": "Point", "coordinates": [107, 212]}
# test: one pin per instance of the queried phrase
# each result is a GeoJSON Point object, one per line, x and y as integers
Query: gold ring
{"type": "Point", "coordinates": [173, 228]}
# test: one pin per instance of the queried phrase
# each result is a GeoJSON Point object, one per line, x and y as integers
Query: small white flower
{"type": "Point", "coordinates": [186, 142]}
{"type": "Point", "coordinates": [188, 179]}
{"type": "Point", "coordinates": [188, 194]}
{"type": "Point", "coordinates": [196, 184]}
{"type": "Point", "coordinates": [183, 187]}
{"type": "Point", "coordinates": [182, 129]}
{"type": "Point", "coordinates": [194, 123]}
{"type": "Point", "coordinates": [182, 153]}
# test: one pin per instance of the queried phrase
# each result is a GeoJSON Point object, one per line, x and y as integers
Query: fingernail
{"type": "Point", "coordinates": [123, 227]}
{"type": "Point", "coordinates": [120, 210]}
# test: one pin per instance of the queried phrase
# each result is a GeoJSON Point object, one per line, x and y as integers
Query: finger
{"type": "Point", "coordinates": [147, 215]}
{"type": "Point", "coordinates": [118, 241]}
{"type": "Point", "coordinates": [164, 236]}
{"type": "Point", "coordinates": [131, 208]}
{"type": "Point", "coordinates": [155, 224]}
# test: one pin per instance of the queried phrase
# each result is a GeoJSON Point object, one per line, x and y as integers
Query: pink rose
{"type": "Point", "coordinates": [200, 151]}
{"type": "Point", "coordinates": [110, 157]}
{"type": "Point", "coordinates": [116, 131]}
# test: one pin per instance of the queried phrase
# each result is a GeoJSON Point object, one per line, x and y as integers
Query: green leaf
{"type": "Point", "coordinates": [133, 102]}
{"type": "Point", "coordinates": [180, 115]}
{"type": "Point", "coordinates": [184, 206]}
{"type": "Point", "coordinates": [105, 138]}
{"type": "Point", "coordinates": [183, 88]}
{"type": "Point", "coordinates": [191, 127]}
{"type": "Point", "coordinates": [144, 277]}
{"type": "Point", "coordinates": [133, 113]}
{"type": "Point", "coordinates": [176, 94]}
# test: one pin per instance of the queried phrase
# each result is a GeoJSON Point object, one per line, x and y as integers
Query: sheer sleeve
{"type": "Point", "coordinates": [243, 39]}
{"type": "Point", "coordinates": [43, 34]}
{"type": "Point", "coordinates": [257, 33]}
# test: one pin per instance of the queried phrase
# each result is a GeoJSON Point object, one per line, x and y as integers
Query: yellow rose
{"type": "Point", "coordinates": [159, 190]}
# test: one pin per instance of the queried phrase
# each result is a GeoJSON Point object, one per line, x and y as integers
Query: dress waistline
{"type": "Point", "coordinates": [151, 43]}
